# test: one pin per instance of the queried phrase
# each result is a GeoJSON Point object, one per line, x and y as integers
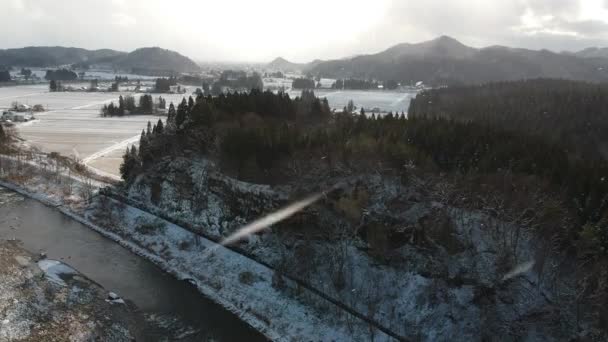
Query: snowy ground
{"type": "Point", "coordinates": [48, 301]}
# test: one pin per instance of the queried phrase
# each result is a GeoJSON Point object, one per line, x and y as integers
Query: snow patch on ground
{"type": "Point", "coordinates": [55, 270]}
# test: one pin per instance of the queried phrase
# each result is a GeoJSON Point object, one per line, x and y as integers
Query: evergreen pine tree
{"type": "Point", "coordinates": [159, 127]}
{"type": "Point", "coordinates": [182, 110]}
{"type": "Point", "coordinates": [134, 152]}
{"type": "Point", "coordinates": [190, 103]}
{"type": "Point", "coordinates": [127, 165]}
{"type": "Point", "coordinates": [121, 105]}
{"type": "Point", "coordinates": [171, 125]}
{"type": "Point", "coordinates": [143, 143]}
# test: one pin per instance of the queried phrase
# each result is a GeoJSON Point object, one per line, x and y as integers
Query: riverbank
{"type": "Point", "coordinates": [48, 301]}
{"type": "Point", "coordinates": [240, 285]}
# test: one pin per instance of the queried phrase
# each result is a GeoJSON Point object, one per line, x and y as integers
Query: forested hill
{"type": "Point", "coordinates": [149, 60]}
{"type": "Point", "coordinates": [568, 113]}
{"type": "Point", "coordinates": [43, 56]}
{"type": "Point", "coordinates": [212, 153]}
{"type": "Point", "coordinates": [445, 61]}
{"type": "Point", "coordinates": [258, 137]}
{"type": "Point", "coordinates": [145, 60]}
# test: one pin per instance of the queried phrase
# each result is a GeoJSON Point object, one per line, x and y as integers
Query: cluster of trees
{"type": "Point", "coordinates": [276, 74]}
{"type": "Point", "coordinates": [5, 76]}
{"type": "Point", "coordinates": [303, 83]}
{"type": "Point", "coordinates": [60, 75]}
{"type": "Point", "coordinates": [355, 84]}
{"type": "Point", "coordinates": [391, 84]}
{"type": "Point", "coordinates": [94, 85]}
{"type": "Point", "coordinates": [126, 105]}
{"type": "Point", "coordinates": [163, 85]}
{"type": "Point", "coordinates": [121, 79]}
{"type": "Point", "coordinates": [191, 80]}
{"type": "Point", "coordinates": [27, 73]}
{"type": "Point", "coordinates": [266, 105]}
{"type": "Point", "coordinates": [55, 86]}
{"type": "Point", "coordinates": [238, 81]}
{"type": "Point", "coordinates": [358, 84]}
{"type": "Point", "coordinates": [237, 122]}
{"type": "Point", "coordinates": [133, 158]}
{"type": "Point", "coordinates": [162, 103]}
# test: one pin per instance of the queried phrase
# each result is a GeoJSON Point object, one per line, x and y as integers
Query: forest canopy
{"type": "Point", "coordinates": [571, 114]}
{"type": "Point", "coordinates": [257, 136]}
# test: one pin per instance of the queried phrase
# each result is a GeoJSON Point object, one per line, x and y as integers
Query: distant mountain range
{"type": "Point", "coordinates": [144, 60]}
{"type": "Point", "coordinates": [446, 61]}
{"type": "Point", "coordinates": [593, 52]}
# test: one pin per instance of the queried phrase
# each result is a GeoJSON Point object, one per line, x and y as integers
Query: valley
{"type": "Point", "coordinates": [381, 181]}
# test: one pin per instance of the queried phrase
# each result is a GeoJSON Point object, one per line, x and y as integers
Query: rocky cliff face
{"type": "Point", "coordinates": [394, 251]}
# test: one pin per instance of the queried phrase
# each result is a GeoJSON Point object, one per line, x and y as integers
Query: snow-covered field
{"type": "Point", "coordinates": [72, 125]}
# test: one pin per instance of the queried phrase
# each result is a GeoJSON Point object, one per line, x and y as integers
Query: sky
{"type": "Point", "coordinates": [299, 30]}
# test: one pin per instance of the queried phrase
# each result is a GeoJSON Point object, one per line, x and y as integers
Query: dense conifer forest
{"type": "Point", "coordinates": [260, 133]}
{"type": "Point", "coordinates": [60, 75]}
{"type": "Point", "coordinates": [571, 114]}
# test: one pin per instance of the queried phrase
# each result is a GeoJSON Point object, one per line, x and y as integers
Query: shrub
{"type": "Point", "coordinates": [149, 227]}
{"type": "Point", "coordinates": [247, 278]}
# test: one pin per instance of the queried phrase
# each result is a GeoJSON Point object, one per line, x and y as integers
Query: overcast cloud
{"type": "Point", "coordinates": [245, 30]}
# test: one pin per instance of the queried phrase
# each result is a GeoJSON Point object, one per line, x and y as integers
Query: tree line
{"type": "Point", "coordinates": [358, 84]}
{"type": "Point", "coordinates": [569, 113]}
{"type": "Point", "coordinates": [237, 81]}
{"type": "Point", "coordinates": [5, 76]}
{"type": "Point", "coordinates": [163, 85]}
{"type": "Point", "coordinates": [127, 106]}
{"type": "Point", "coordinates": [303, 83]}
{"type": "Point", "coordinates": [60, 75]}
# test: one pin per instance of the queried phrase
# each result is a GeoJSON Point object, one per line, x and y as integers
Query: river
{"type": "Point", "coordinates": [174, 309]}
